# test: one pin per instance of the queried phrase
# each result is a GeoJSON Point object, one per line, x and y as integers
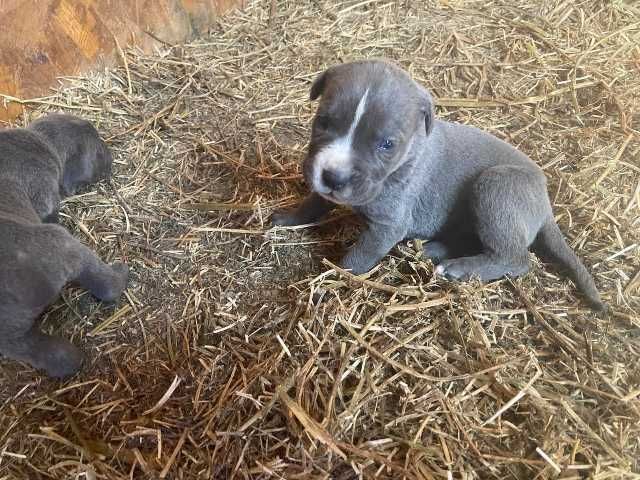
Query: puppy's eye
{"type": "Point", "coordinates": [385, 145]}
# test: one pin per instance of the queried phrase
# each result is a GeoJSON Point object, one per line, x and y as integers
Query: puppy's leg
{"type": "Point", "coordinates": [485, 267]}
{"type": "Point", "coordinates": [82, 266]}
{"type": "Point", "coordinates": [509, 205]}
{"type": "Point", "coordinates": [312, 209]}
{"type": "Point", "coordinates": [53, 217]}
{"type": "Point", "coordinates": [33, 288]}
{"type": "Point", "coordinates": [56, 356]}
{"type": "Point", "coordinates": [105, 282]}
{"type": "Point", "coordinates": [452, 246]}
{"type": "Point", "coordinates": [437, 251]}
{"type": "Point", "coordinates": [372, 245]}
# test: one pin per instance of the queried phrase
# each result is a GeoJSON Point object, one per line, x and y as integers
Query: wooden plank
{"type": "Point", "coordinates": [45, 39]}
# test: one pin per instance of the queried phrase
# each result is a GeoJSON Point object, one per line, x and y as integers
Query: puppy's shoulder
{"type": "Point", "coordinates": [16, 234]}
{"type": "Point", "coordinates": [32, 270]}
{"type": "Point", "coordinates": [27, 284]}
{"type": "Point", "coordinates": [20, 145]}
{"type": "Point", "coordinates": [23, 140]}
{"type": "Point", "coordinates": [61, 126]}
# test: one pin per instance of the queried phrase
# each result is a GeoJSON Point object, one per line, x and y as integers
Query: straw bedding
{"type": "Point", "coordinates": [239, 352]}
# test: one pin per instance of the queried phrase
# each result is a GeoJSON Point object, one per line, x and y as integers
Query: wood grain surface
{"type": "Point", "coordinates": [41, 40]}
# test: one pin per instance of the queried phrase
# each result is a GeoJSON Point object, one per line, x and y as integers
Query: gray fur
{"type": "Point", "coordinates": [480, 202]}
{"type": "Point", "coordinates": [39, 165]}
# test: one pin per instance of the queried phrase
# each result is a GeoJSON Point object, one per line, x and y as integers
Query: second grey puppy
{"type": "Point", "coordinates": [377, 147]}
{"type": "Point", "coordinates": [39, 165]}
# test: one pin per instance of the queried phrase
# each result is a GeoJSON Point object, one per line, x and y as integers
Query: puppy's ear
{"type": "Point", "coordinates": [428, 110]}
{"type": "Point", "coordinates": [317, 88]}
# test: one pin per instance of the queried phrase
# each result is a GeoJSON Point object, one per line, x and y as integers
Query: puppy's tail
{"type": "Point", "coordinates": [551, 243]}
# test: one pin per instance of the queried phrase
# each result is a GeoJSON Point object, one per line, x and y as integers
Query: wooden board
{"type": "Point", "coordinates": [41, 40]}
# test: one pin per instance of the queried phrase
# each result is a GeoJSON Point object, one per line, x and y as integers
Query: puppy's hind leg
{"type": "Point", "coordinates": [509, 204]}
{"type": "Point", "coordinates": [33, 287]}
{"type": "Point", "coordinates": [451, 246]}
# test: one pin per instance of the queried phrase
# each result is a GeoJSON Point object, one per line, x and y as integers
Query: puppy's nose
{"type": "Point", "coordinates": [335, 179]}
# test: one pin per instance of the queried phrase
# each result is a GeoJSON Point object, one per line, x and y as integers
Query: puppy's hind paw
{"type": "Point", "coordinates": [436, 251]}
{"type": "Point", "coordinates": [356, 265]}
{"type": "Point", "coordinates": [452, 270]}
{"type": "Point", "coordinates": [482, 268]}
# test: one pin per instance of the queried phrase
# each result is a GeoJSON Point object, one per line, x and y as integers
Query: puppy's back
{"type": "Point", "coordinates": [471, 145]}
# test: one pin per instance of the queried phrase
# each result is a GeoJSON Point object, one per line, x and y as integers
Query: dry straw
{"type": "Point", "coordinates": [237, 353]}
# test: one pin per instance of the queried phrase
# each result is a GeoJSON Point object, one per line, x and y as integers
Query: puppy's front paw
{"type": "Point", "coordinates": [117, 284]}
{"type": "Point", "coordinates": [354, 265]}
{"type": "Point", "coordinates": [122, 270]}
{"type": "Point", "coordinates": [284, 218]}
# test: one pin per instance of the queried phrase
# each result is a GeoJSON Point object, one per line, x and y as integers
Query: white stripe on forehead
{"type": "Point", "coordinates": [358, 115]}
{"type": "Point", "coordinates": [337, 154]}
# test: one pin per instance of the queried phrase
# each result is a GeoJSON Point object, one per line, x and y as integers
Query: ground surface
{"type": "Point", "coordinates": [238, 353]}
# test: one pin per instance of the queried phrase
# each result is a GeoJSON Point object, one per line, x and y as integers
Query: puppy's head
{"type": "Point", "coordinates": [369, 115]}
{"type": "Point", "coordinates": [85, 157]}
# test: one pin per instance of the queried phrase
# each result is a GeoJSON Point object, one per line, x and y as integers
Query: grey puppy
{"type": "Point", "coordinates": [377, 147]}
{"type": "Point", "coordinates": [39, 165]}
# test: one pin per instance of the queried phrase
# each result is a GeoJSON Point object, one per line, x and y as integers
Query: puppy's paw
{"type": "Point", "coordinates": [59, 358]}
{"type": "Point", "coordinates": [115, 286]}
{"type": "Point", "coordinates": [53, 217]}
{"type": "Point", "coordinates": [354, 265]}
{"type": "Point", "coordinates": [66, 367]}
{"type": "Point", "coordinates": [597, 304]}
{"type": "Point", "coordinates": [122, 273]}
{"type": "Point", "coordinates": [121, 269]}
{"type": "Point", "coordinates": [436, 251]}
{"type": "Point", "coordinates": [284, 218]}
{"type": "Point", "coordinates": [454, 269]}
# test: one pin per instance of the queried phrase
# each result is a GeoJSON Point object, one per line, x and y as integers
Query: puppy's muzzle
{"type": "Point", "coordinates": [335, 180]}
